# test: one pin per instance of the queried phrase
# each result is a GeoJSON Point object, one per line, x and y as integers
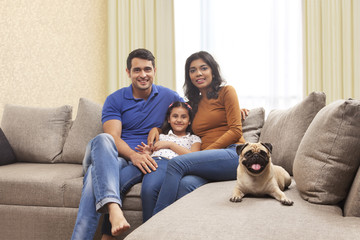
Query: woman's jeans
{"type": "Point", "coordinates": [212, 165]}
{"type": "Point", "coordinates": [106, 180]}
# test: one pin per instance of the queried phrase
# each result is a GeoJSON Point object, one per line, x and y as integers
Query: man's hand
{"type": "Point", "coordinates": [144, 162]}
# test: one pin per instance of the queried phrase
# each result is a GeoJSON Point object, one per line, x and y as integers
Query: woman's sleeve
{"type": "Point", "coordinates": [233, 117]}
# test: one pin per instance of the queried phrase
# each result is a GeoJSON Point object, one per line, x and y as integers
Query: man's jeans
{"type": "Point", "coordinates": [106, 181]}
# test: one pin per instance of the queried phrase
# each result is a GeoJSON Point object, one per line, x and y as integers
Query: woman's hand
{"type": "Point", "coordinates": [244, 113]}
{"type": "Point", "coordinates": [153, 136]}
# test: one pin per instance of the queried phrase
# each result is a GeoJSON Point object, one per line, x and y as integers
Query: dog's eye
{"type": "Point", "coordinates": [263, 153]}
{"type": "Point", "coordinates": [248, 154]}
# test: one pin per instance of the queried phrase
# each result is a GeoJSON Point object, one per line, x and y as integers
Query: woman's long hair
{"type": "Point", "coordinates": [192, 93]}
{"type": "Point", "coordinates": [166, 127]}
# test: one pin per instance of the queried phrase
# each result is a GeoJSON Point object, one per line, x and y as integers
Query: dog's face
{"type": "Point", "coordinates": [254, 156]}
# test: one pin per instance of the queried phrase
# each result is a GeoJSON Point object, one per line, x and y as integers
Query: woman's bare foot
{"type": "Point", "coordinates": [117, 219]}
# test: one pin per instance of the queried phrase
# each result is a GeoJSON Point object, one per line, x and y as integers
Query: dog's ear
{"type": "Point", "coordinates": [268, 146]}
{"type": "Point", "coordinates": [240, 147]}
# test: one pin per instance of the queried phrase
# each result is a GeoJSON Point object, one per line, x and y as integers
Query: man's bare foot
{"type": "Point", "coordinates": [117, 219]}
{"type": "Point", "coordinates": [107, 237]}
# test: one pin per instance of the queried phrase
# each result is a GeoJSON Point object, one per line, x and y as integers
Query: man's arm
{"type": "Point", "coordinates": [143, 161]}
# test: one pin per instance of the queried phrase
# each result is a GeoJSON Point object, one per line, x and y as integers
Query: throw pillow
{"type": "Point", "coordinates": [86, 126]}
{"type": "Point", "coordinates": [352, 204]}
{"type": "Point", "coordinates": [284, 129]}
{"type": "Point", "coordinates": [329, 153]}
{"type": "Point", "coordinates": [6, 152]}
{"type": "Point", "coordinates": [36, 134]}
{"type": "Point", "coordinates": [252, 125]}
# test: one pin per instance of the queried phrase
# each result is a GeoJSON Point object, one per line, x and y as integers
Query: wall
{"type": "Point", "coordinates": [52, 52]}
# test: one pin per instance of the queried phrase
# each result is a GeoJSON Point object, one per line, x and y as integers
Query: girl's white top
{"type": "Point", "coordinates": [184, 141]}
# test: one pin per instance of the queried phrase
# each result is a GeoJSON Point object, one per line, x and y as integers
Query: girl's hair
{"type": "Point", "coordinates": [166, 127]}
{"type": "Point", "coordinates": [192, 93]}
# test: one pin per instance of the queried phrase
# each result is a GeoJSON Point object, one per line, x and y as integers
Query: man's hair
{"type": "Point", "coordinates": [140, 53]}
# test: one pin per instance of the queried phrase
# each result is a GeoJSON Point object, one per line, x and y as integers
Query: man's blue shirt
{"type": "Point", "coordinates": [138, 116]}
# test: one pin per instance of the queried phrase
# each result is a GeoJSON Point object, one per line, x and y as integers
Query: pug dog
{"type": "Point", "coordinates": [256, 175]}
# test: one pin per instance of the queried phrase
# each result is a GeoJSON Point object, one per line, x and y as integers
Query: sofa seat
{"type": "Point", "coordinates": [208, 214]}
{"type": "Point", "coordinates": [52, 193]}
{"type": "Point", "coordinates": [35, 184]}
{"type": "Point", "coordinates": [50, 185]}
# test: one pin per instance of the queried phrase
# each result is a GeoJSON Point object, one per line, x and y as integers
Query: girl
{"type": "Point", "coordinates": [217, 121]}
{"type": "Point", "coordinates": [177, 139]}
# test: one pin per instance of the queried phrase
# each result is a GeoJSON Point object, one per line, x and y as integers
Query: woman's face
{"type": "Point", "coordinates": [200, 74]}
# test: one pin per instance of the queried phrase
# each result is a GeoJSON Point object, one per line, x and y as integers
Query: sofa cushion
{"type": "Point", "coordinates": [36, 134]}
{"type": "Point", "coordinates": [284, 129]}
{"type": "Point", "coordinates": [6, 151]}
{"type": "Point", "coordinates": [253, 124]}
{"type": "Point", "coordinates": [352, 204]}
{"type": "Point", "coordinates": [35, 184]}
{"type": "Point", "coordinates": [73, 188]}
{"type": "Point", "coordinates": [86, 126]}
{"type": "Point", "coordinates": [329, 154]}
{"type": "Point", "coordinates": [207, 213]}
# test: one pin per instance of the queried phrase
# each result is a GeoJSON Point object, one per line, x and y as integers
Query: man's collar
{"type": "Point", "coordinates": [129, 92]}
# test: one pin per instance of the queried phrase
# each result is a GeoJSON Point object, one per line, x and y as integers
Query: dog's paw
{"type": "Point", "coordinates": [235, 199]}
{"type": "Point", "coordinates": [287, 202]}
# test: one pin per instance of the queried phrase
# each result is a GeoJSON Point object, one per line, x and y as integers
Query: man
{"type": "Point", "coordinates": [127, 117]}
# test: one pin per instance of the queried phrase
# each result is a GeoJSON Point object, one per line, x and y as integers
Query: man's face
{"type": "Point", "coordinates": [141, 73]}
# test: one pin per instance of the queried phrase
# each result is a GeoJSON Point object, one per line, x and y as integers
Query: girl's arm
{"type": "Point", "coordinates": [176, 148]}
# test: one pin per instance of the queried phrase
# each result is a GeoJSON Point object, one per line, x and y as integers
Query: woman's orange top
{"type": "Point", "coordinates": [218, 121]}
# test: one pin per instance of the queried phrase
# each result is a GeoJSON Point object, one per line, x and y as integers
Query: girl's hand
{"type": "Point", "coordinates": [153, 136]}
{"type": "Point", "coordinates": [144, 149]}
{"type": "Point", "coordinates": [162, 145]}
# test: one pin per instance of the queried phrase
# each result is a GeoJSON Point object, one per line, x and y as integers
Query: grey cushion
{"type": "Point", "coordinates": [352, 204]}
{"type": "Point", "coordinates": [253, 124]}
{"type": "Point", "coordinates": [6, 151]}
{"type": "Point", "coordinates": [85, 127]}
{"type": "Point", "coordinates": [284, 129]}
{"type": "Point", "coordinates": [36, 134]}
{"type": "Point", "coordinates": [329, 153]}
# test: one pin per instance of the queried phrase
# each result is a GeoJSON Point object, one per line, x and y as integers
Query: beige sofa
{"type": "Point", "coordinates": [317, 144]}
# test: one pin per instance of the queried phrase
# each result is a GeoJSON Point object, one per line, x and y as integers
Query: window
{"type": "Point", "coordinates": [257, 43]}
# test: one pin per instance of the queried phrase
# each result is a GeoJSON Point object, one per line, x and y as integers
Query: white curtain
{"type": "Point", "coordinates": [140, 24]}
{"type": "Point", "coordinates": [257, 43]}
{"type": "Point", "coordinates": [332, 48]}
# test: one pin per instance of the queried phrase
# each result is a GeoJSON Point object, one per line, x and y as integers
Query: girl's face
{"type": "Point", "coordinates": [200, 74]}
{"type": "Point", "coordinates": [179, 120]}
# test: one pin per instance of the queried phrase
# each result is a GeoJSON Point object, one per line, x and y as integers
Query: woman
{"type": "Point", "coordinates": [217, 122]}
